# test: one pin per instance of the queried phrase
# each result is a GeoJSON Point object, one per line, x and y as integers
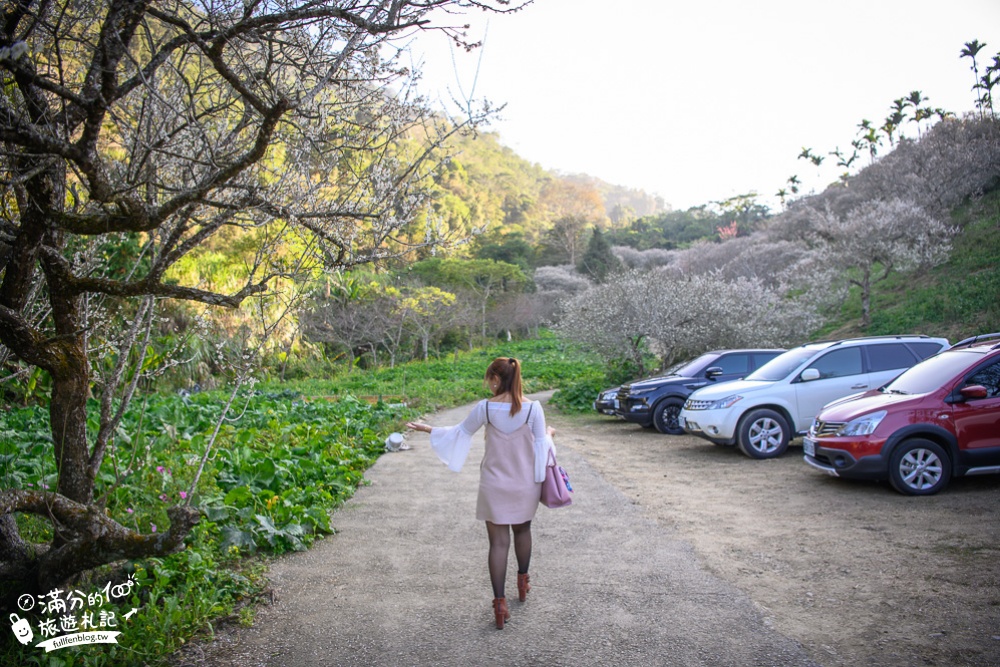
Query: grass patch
{"type": "Point", "coordinates": [547, 362]}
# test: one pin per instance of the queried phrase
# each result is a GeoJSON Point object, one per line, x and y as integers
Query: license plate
{"type": "Point", "coordinates": [617, 404]}
{"type": "Point", "coordinates": [809, 447]}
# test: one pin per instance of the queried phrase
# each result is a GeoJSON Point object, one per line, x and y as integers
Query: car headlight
{"type": "Point", "coordinates": [728, 401]}
{"type": "Point", "coordinates": [863, 425]}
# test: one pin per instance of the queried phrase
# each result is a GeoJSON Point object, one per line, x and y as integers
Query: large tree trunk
{"type": "Point", "coordinates": [70, 369]}
{"type": "Point", "coordinates": [68, 412]}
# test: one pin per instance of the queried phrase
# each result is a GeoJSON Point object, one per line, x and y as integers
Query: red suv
{"type": "Point", "coordinates": [940, 418]}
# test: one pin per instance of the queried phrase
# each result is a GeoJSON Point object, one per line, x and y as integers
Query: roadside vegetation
{"type": "Point", "coordinates": [280, 465]}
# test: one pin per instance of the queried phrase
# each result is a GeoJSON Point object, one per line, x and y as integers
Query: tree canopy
{"type": "Point", "coordinates": [599, 261]}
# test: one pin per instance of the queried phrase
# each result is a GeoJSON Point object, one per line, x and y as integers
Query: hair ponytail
{"type": "Point", "coordinates": [507, 372]}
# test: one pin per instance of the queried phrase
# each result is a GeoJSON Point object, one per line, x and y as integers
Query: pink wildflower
{"type": "Point", "coordinates": [184, 495]}
{"type": "Point", "coordinates": [153, 526]}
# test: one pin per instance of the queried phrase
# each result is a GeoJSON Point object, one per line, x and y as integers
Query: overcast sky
{"type": "Point", "coordinates": [700, 100]}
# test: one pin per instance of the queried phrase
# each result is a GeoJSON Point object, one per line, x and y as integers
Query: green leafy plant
{"type": "Point", "coordinates": [578, 397]}
{"type": "Point", "coordinates": [279, 469]}
{"type": "Point", "coordinates": [548, 362]}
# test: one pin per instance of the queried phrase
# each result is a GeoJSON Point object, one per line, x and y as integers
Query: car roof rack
{"type": "Point", "coordinates": [977, 339]}
{"type": "Point", "coordinates": [884, 337]}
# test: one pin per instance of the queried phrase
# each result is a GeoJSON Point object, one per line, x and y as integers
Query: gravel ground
{"type": "Point", "coordinates": [404, 582]}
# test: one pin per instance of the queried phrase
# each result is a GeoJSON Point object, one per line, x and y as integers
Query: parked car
{"type": "Point", "coordinates": [607, 401]}
{"type": "Point", "coordinates": [778, 401]}
{"type": "Point", "coordinates": [656, 402]}
{"type": "Point", "coordinates": [938, 420]}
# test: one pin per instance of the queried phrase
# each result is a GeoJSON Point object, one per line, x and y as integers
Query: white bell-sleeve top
{"type": "Point", "coordinates": [452, 443]}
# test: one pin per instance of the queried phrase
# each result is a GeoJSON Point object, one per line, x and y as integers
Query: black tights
{"type": "Point", "coordinates": [499, 535]}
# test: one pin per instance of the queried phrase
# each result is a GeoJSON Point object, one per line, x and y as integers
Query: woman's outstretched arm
{"type": "Point", "coordinates": [419, 426]}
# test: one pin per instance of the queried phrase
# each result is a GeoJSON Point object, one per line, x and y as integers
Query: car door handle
{"type": "Point", "coordinates": [859, 386]}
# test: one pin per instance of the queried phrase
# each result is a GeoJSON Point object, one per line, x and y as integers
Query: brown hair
{"type": "Point", "coordinates": [507, 371]}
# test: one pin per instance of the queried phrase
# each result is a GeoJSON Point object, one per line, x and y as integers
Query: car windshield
{"type": "Point", "coordinates": [931, 374]}
{"type": "Point", "coordinates": [692, 368]}
{"type": "Point", "coordinates": [779, 367]}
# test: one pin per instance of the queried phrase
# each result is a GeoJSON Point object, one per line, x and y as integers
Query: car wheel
{"type": "Point", "coordinates": [919, 467]}
{"type": "Point", "coordinates": [763, 434]}
{"type": "Point", "coordinates": [665, 416]}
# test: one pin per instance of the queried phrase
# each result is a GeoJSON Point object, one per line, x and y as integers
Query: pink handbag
{"type": "Point", "coordinates": [556, 489]}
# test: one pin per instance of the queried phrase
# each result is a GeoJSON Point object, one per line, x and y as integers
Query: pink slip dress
{"type": "Point", "coordinates": [508, 493]}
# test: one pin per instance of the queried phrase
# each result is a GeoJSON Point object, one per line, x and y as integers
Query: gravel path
{"type": "Point", "coordinates": [404, 582]}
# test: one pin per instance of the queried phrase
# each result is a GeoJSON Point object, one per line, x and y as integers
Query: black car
{"type": "Point", "coordinates": [657, 401]}
{"type": "Point", "coordinates": [607, 401]}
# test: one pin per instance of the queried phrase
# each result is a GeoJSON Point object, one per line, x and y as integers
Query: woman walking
{"type": "Point", "coordinates": [511, 473]}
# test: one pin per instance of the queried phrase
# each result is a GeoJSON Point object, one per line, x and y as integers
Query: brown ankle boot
{"type": "Point", "coordinates": [500, 611]}
{"type": "Point", "coordinates": [523, 586]}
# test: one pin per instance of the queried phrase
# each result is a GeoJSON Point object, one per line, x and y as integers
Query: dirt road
{"type": "Point", "coordinates": [856, 573]}
{"type": "Point", "coordinates": [676, 552]}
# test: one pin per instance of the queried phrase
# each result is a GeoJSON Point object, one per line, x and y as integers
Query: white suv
{"type": "Point", "coordinates": [761, 413]}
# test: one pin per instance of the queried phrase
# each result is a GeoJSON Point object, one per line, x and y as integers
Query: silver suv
{"type": "Point", "coordinates": [761, 413]}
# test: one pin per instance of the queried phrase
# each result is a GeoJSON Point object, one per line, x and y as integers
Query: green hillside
{"type": "Point", "coordinates": [957, 299]}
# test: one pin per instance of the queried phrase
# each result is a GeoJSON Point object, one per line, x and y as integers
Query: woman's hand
{"type": "Point", "coordinates": [551, 431]}
{"type": "Point", "coordinates": [418, 426]}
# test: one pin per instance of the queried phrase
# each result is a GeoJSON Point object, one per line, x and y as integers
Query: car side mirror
{"type": "Point", "coordinates": [713, 372]}
{"type": "Point", "coordinates": [809, 374]}
{"type": "Point", "coordinates": [974, 391]}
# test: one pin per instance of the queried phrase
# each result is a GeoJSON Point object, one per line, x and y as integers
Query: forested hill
{"type": "Point", "coordinates": [486, 186]}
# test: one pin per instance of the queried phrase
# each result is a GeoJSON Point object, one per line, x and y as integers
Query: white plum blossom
{"type": "Point", "coordinates": [879, 237]}
{"type": "Point", "coordinates": [678, 316]}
